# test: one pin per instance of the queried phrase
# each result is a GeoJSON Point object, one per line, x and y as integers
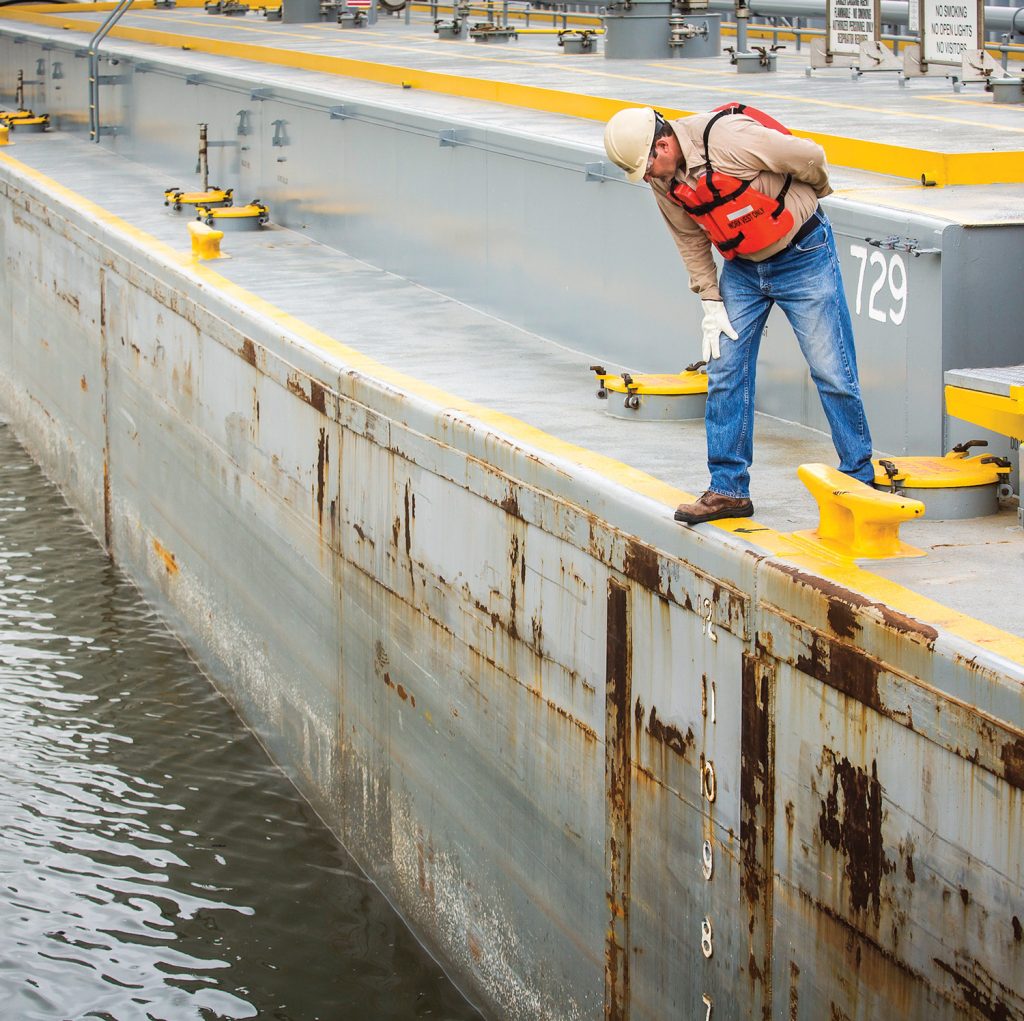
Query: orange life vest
{"type": "Point", "coordinates": [738, 218]}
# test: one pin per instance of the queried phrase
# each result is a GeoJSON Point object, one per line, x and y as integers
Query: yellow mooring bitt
{"type": "Point", "coordinates": [5, 135]}
{"type": "Point", "coordinates": [205, 241]}
{"type": "Point", "coordinates": [856, 521]}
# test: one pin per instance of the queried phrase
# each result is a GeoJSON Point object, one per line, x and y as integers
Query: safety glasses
{"type": "Point", "coordinates": [659, 124]}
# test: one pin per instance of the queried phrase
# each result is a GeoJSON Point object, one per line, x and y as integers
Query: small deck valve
{"type": "Point", "coordinates": [208, 197]}
{"type": "Point", "coordinates": [23, 119]}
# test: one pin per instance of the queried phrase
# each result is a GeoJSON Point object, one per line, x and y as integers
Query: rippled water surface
{"type": "Point", "coordinates": [153, 863]}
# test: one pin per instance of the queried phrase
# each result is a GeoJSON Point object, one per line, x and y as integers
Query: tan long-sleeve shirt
{"type": "Point", "coordinates": [741, 147]}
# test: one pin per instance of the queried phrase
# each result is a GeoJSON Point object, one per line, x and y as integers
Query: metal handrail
{"type": "Point", "coordinates": [94, 66]}
{"type": "Point", "coordinates": [799, 33]}
{"type": "Point", "coordinates": [894, 12]}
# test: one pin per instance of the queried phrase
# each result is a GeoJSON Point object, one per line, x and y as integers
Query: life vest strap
{"type": "Point", "coordinates": [718, 201]}
{"type": "Point", "coordinates": [781, 197]}
{"type": "Point", "coordinates": [716, 206]}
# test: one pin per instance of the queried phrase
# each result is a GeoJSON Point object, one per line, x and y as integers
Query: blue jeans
{"type": "Point", "coordinates": [804, 281]}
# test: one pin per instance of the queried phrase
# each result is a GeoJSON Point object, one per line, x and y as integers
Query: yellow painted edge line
{"type": "Point", "coordinates": [886, 592]}
{"type": "Point", "coordinates": [105, 5]}
{"type": "Point", "coordinates": [877, 157]}
{"type": "Point", "coordinates": [876, 587]}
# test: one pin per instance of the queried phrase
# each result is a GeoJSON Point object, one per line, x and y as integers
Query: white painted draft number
{"type": "Point", "coordinates": [707, 1003]}
{"type": "Point", "coordinates": [708, 784]}
{"type": "Point", "coordinates": [707, 862]}
{"type": "Point", "coordinates": [705, 937]}
{"type": "Point", "coordinates": [881, 285]}
{"type": "Point", "coordinates": [707, 698]}
{"type": "Point", "coordinates": [707, 627]}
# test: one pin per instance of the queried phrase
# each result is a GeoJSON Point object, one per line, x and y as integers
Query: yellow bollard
{"type": "Point", "coordinates": [205, 241]}
{"type": "Point", "coordinates": [5, 132]}
{"type": "Point", "coordinates": [856, 521]}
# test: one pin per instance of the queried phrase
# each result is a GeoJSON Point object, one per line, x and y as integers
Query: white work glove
{"type": "Point", "coordinates": [716, 322]}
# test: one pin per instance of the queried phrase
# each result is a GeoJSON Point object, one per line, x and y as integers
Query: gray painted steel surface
{"type": "Point", "coordinates": [956, 502]}
{"type": "Point", "coordinates": [370, 179]}
{"type": "Point", "coordinates": [996, 380]}
{"type": "Point", "coordinates": [522, 718]}
{"type": "Point", "coordinates": [520, 694]}
{"type": "Point", "coordinates": [643, 31]}
{"type": "Point", "coordinates": [655, 407]}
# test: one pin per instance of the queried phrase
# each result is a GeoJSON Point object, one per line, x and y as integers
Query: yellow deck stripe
{"type": "Point", "coordinates": [876, 157]}
{"type": "Point", "coordinates": [874, 586]}
{"type": "Point", "coordinates": [856, 107]}
{"type": "Point", "coordinates": [569, 20]}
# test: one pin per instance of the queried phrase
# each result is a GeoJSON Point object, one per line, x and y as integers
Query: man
{"type": "Point", "coordinates": [753, 191]}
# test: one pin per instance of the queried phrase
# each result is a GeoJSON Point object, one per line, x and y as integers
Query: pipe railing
{"type": "Point", "coordinates": [94, 66]}
{"type": "Point", "coordinates": [1004, 48]}
{"type": "Point", "coordinates": [1009, 20]}
{"type": "Point", "coordinates": [894, 12]}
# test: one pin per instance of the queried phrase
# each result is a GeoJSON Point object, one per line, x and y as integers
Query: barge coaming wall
{"type": "Point", "coordinates": [600, 775]}
{"type": "Point", "coordinates": [532, 229]}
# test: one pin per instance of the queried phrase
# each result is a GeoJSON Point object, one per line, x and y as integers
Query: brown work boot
{"type": "Point", "coordinates": [712, 506]}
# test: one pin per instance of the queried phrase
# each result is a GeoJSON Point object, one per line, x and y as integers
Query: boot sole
{"type": "Point", "coordinates": [699, 519]}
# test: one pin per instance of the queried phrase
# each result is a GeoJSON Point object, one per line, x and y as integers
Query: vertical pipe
{"type": "Point", "coordinates": [94, 66]}
{"type": "Point", "coordinates": [742, 13]}
{"type": "Point", "coordinates": [204, 162]}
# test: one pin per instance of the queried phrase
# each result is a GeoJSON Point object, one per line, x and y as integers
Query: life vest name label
{"type": "Point", "coordinates": [740, 213]}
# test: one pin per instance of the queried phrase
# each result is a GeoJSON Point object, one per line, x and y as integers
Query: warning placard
{"type": "Point", "coordinates": [850, 22]}
{"type": "Point", "coordinates": [949, 28]}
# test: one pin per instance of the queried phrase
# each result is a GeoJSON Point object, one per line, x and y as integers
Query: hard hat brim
{"type": "Point", "coordinates": [628, 138]}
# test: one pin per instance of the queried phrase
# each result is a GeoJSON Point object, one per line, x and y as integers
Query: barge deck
{"type": "Point", "coordinates": [360, 464]}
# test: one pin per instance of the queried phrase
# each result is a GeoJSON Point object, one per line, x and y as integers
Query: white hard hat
{"type": "Point", "coordinates": [628, 138]}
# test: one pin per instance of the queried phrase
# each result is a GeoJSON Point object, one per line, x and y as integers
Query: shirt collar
{"type": "Point", "coordinates": [693, 153]}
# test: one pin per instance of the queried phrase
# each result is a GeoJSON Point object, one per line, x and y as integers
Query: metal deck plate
{"type": "Point", "coordinates": [926, 114]}
{"type": "Point", "coordinates": [476, 357]}
{"type": "Point", "coordinates": [996, 380]}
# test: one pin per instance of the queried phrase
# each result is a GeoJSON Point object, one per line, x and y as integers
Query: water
{"type": "Point", "coordinates": [154, 864]}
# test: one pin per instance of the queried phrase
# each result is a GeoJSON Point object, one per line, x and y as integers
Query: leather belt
{"type": "Point", "coordinates": [809, 224]}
